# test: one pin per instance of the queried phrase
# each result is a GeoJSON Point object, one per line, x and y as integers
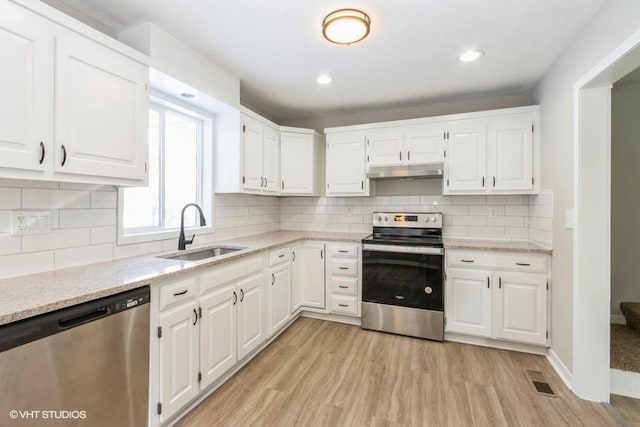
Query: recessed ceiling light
{"type": "Point", "coordinates": [324, 80]}
{"type": "Point", "coordinates": [346, 26]}
{"type": "Point", "coordinates": [471, 55]}
{"type": "Point", "coordinates": [187, 95]}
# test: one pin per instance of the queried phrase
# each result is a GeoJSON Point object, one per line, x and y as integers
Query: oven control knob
{"type": "Point", "coordinates": [379, 219]}
{"type": "Point", "coordinates": [433, 219]}
{"type": "Point", "coordinates": [386, 219]}
{"type": "Point", "coordinates": [428, 290]}
{"type": "Point", "coordinates": [426, 219]}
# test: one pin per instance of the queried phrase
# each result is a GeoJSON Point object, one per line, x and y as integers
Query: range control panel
{"type": "Point", "coordinates": [407, 220]}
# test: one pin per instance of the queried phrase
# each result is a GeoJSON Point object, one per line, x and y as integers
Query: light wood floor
{"type": "Point", "coordinates": [321, 373]}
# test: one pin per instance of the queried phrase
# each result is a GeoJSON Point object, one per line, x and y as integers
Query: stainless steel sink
{"type": "Point", "coordinates": [204, 254]}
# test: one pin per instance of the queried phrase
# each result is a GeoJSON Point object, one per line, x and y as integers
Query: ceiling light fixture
{"type": "Point", "coordinates": [346, 26]}
{"type": "Point", "coordinates": [324, 80]}
{"type": "Point", "coordinates": [471, 55]}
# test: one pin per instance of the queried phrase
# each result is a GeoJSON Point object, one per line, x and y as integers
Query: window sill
{"type": "Point", "coordinates": [156, 236]}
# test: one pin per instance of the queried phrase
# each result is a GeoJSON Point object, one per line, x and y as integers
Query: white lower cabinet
{"type": "Point", "coordinates": [498, 295]}
{"type": "Point", "coordinates": [280, 294]}
{"type": "Point", "coordinates": [179, 359]}
{"type": "Point", "coordinates": [344, 278]}
{"type": "Point", "coordinates": [307, 276]}
{"type": "Point", "coordinates": [207, 323]}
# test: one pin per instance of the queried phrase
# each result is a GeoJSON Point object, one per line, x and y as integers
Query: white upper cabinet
{"type": "Point", "coordinates": [465, 168]}
{"type": "Point", "coordinates": [346, 174]}
{"type": "Point", "coordinates": [424, 144]}
{"type": "Point", "coordinates": [405, 145]}
{"type": "Point", "coordinates": [301, 162]}
{"type": "Point", "coordinates": [261, 156]}
{"type": "Point", "coordinates": [94, 87]}
{"type": "Point", "coordinates": [26, 44]}
{"type": "Point", "coordinates": [102, 110]}
{"type": "Point", "coordinates": [510, 153]}
{"type": "Point", "coordinates": [271, 160]}
{"type": "Point", "coordinates": [385, 147]}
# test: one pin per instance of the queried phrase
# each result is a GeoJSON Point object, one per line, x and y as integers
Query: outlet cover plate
{"type": "Point", "coordinates": [30, 222]}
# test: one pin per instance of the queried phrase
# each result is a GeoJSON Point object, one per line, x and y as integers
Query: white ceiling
{"type": "Point", "coordinates": [277, 50]}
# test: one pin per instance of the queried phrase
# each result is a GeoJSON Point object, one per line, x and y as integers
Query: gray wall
{"type": "Point", "coordinates": [625, 194]}
{"type": "Point", "coordinates": [613, 24]}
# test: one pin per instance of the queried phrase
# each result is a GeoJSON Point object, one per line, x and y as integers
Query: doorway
{"type": "Point", "coordinates": [593, 378]}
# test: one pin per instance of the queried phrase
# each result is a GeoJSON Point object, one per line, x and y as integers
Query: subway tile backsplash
{"type": "Point", "coordinates": [85, 220]}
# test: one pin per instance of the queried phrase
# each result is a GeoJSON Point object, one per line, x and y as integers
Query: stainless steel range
{"type": "Point", "coordinates": [403, 275]}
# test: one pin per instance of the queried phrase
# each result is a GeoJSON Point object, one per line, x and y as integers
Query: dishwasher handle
{"type": "Point", "coordinates": [85, 317]}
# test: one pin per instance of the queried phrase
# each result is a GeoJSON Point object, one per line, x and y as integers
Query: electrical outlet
{"type": "Point", "coordinates": [31, 222]}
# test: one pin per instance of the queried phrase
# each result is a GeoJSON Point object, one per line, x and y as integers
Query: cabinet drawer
{"type": "Point", "coordinates": [498, 260]}
{"type": "Point", "coordinates": [344, 304]}
{"type": "Point", "coordinates": [344, 285]}
{"type": "Point", "coordinates": [344, 251]}
{"type": "Point", "coordinates": [344, 267]}
{"type": "Point", "coordinates": [279, 255]}
{"type": "Point", "coordinates": [178, 292]}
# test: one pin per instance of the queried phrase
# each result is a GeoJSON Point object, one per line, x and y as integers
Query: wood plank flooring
{"type": "Point", "coordinates": [320, 373]}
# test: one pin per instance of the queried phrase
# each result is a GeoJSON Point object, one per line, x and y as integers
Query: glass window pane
{"type": "Point", "coordinates": [181, 168]}
{"type": "Point", "coordinates": [142, 205]}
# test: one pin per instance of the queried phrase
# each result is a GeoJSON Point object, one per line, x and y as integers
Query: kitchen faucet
{"type": "Point", "coordinates": [182, 242]}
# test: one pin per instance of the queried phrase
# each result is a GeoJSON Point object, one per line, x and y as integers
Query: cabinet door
{"type": "Point", "coordinates": [468, 302]}
{"type": "Point", "coordinates": [178, 358]}
{"type": "Point", "coordinates": [346, 164]}
{"type": "Point", "coordinates": [102, 111]}
{"type": "Point", "coordinates": [271, 160]}
{"type": "Point", "coordinates": [466, 156]}
{"type": "Point", "coordinates": [313, 287]}
{"type": "Point", "coordinates": [296, 163]}
{"type": "Point", "coordinates": [385, 147]}
{"type": "Point", "coordinates": [26, 104]}
{"type": "Point", "coordinates": [251, 331]}
{"type": "Point", "coordinates": [520, 307]}
{"type": "Point", "coordinates": [510, 153]}
{"type": "Point", "coordinates": [279, 294]}
{"type": "Point", "coordinates": [298, 276]}
{"type": "Point", "coordinates": [424, 144]}
{"type": "Point", "coordinates": [217, 333]}
{"type": "Point", "coordinates": [252, 154]}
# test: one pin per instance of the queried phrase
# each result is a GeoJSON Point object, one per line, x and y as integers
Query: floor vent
{"type": "Point", "coordinates": [540, 384]}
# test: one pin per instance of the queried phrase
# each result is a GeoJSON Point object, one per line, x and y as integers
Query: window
{"type": "Point", "coordinates": [180, 141]}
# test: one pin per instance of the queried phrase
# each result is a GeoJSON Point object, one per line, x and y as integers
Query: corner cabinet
{"type": "Point", "coordinates": [499, 295]}
{"type": "Point", "coordinates": [346, 171]}
{"type": "Point", "coordinates": [497, 154]}
{"type": "Point", "coordinates": [301, 162]}
{"type": "Point", "coordinates": [93, 92]}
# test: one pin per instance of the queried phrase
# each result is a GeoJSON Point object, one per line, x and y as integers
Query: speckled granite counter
{"type": "Point", "coordinates": [28, 296]}
{"type": "Point", "coordinates": [496, 245]}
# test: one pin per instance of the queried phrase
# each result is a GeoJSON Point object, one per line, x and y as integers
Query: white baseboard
{"type": "Point", "coordinates": [625, 383]}
{"type": "Point", "coordinates": [618, 319]}
{"type": "Point", "coordinates": [488, 342]}
{"type": "Point", "coordinates": [565, 375]}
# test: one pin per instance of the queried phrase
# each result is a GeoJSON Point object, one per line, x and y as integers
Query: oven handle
{"type": "Point", "coordinates": [403, 249]}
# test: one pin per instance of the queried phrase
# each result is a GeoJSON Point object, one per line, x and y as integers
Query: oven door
{"type": "Point", "coordinates": [406, 276]}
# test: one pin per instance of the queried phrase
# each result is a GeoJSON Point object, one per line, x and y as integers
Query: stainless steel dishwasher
{"type": "Point", "coordinates": [86, 365]}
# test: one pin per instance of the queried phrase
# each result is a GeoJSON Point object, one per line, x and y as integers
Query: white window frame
{"type": "Point", "coordinates": [161, 101]}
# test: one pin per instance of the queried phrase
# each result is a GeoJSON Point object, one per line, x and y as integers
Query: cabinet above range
{"type": "Point", "coordinates": [487, 152]}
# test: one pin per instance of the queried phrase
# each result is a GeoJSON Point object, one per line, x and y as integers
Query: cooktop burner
{"type": "Point", "coordinates": [408, 229]}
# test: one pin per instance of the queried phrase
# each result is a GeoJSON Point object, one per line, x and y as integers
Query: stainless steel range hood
{"type": "Point", "coordinates": [433, 170]}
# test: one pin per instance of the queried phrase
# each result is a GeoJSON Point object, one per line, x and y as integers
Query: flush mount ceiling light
{"type": "Point", "coordinates": [346, 26]}
{"type": "Point", "coordinates": [471, 55]}
{"type": "Point", "coordinates": [324, 80]}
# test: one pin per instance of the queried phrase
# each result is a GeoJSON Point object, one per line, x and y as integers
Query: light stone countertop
{"type": "Point", "coordinates": [496, 245]}
{"type": "Point", "coordinates": [34, 294]}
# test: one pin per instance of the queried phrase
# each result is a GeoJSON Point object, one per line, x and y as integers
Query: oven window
{"type": "Point", "coordinates": [403, 279]}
